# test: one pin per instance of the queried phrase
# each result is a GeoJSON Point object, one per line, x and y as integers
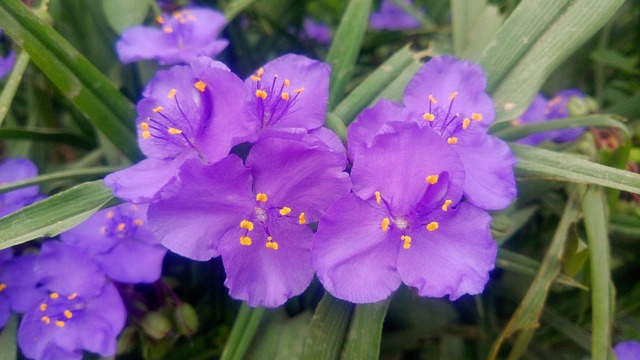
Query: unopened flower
{"type": "Point", "coordinates": [392, 17]}
{"type": "Point", "coordinates": [254, 215]}
{"type": "Point", "coordinates": [179, 37]}
{"type": "Point", "coordinates": [14, 170]}
{"type": "Point", "coordinates": [404, 223]}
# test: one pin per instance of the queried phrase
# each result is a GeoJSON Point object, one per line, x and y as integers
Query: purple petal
{"type": "Point", "coordinates": [535, 113]}
{"type": "Point", "coordinates": [206, 203]}
{"type": "Point", "coordinates": [558, 105]}
{"type": "Point", "coordinates": [14, 170]}
{"type": "Point", "coordinates": [453, 260]}
{"type": "Point", "coordinates": [119, 265]}
{"type": "Point", "coordinates": [316, 31]}
{"type": "Point", "coordinates": [142, 43]}
{"type": "Point", "coordinates": [392, 17]}
{"type": "Point", "coordinates": [627, 350]}
{"type": "Point", "coordinates": [20, 278]}
{"type": "Point", "coordinates": [6, 64]}
{"type": "Point", "coordinates": [354, 259]}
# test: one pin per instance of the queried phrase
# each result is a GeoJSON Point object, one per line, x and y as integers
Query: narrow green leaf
{"type": "Point", "coordinates": [552, 165]}
{"type": "Point", "coordinates": [567, 328]}
{"type": "Point", "coordinates": [595, 223]}
{"type": "Point", "coordinates": [123, 14]}
{"type": "Point", "coordinates": [510, 132]}
{"type": "Point", "coordinates": [527, 315]}
{"type": "Point", "coordinates": [395, 90]}
{"type": "Point", "coordinates": [53, 215]}
{"type": "Point", "coordinates": [244, 328]}
{"type": "Point", "coordinates": [615, 59]}
{"type": "Point", "coordinates": [60, 175]}
{"type": "Point", "coordinates": [336, 124]}
{"type": "Point", "coordinates": [328, 329]}
{"type": "Point", "coordinates": [363, 341]}
{"type": "Point", "coordinates": [73, 74]}
{"type": "Point", "coordinates": [8, 339]}
{"type": "Point", "coordinates": [345, 47]}
{"type": "Point", "coordinates": [49, 135]}
{"type": "Point", "coordinates": [281, 336]}
{"type": "Point", "coordinates": [235, 7]}
{"type": "Point", "coordinates": [10, 88]}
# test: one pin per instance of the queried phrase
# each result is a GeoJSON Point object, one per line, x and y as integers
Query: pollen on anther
{"type": "Point", "coordinates": [68, 314]}
{"type": "Point", "coordinates": [255, 78]}
{"type": "Point", "coordinates": [45, 319]}
{"type": "Point", "coordinates": [465, 123]}
{"type": "Point", "coordinates": [172, 93]}
{"type": "Point", "coordinates": [301, 219]}
{"type": "Point", "coordinates": [284, 211]}
{"type": "Point", "coordinates": [54, 296]}
{"type": "Point", "coordinates": [200, 86]}
{"type": "Point", "coordinates": [453, 95]}
{"type": "Point", "coordinates": [432, 99]}
{"type": "Point", "coordinates": [261, 197]}
{"type": "Point", "coordinates": [378, 197]}
{"type": "Point", "coordinates": [432, 179]}
{"type": "Point", "coordinates": [167, 29]}
{"type": "Point", "coordinates": [72, 296]}
{"type": "Point", "coordinates": [298, 91]}
{"type": "Point", "coordinates": [60, 323]}
{"type": "Point", "coordinates": [121, 226]}
{"type": "Point", "coordinates": [246, 224]}
{"type": "Point", "coordinates": [385, 224]}
{"type": "Point", "coordinates": [271, 245]}
{"type": "Point", "coordinates": [428, 116]}
{"type": "Point", "coordinates": [146, 135]}
{"type": "Point", "coordinates": [144, 126]}
{"type": "Point", "coordinates": [245, 240]}
{"type": "Point", "coordinates": [43, 307]}
{"type": "Point", "coordinates": [159, 20]}
{"type": "Point", "coordinates": [2, 287]}
{"type": "Point", "coordinates": [285, 96]}
{"type": "Point", "coordinates": [157, 109]}
{"type": "Point", "coordinates": [138, 222]}
{"type": "Point", "coordinates": [476, 117]}
{"type": "Point", "coordinates": [432, 226]}
{"type": "Point", "coordinates": [110, 215]}
{"type": "Point", "coordinates": [287, 82]}
{"type": "Point", "coordinates": [261, 94]}
{"type": "Point", "coordinates": [452, 140]}
{"type": "Point", "coordinates": [407, 241]}
{"type": "Point", "coordinates": [174, 131]}
{"type": "Point", "coordinates": [260, 72]}
{"type": "Point", "coordinates": [446, 204]}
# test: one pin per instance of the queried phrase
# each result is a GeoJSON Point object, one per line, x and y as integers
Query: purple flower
{"type": "Point", "coordinates": [119, 240]}
{"type": "Point", "coordinates": [404, 223]}
{"type": "Point", "coordinates": [187, 112]}
{"type": "Point", "coordinates": [13, 170]}
{"type": "Point", "coordinates": [542, 109]}
{"type": "Point", "coordinates": [6, 63]}
{"type": "Point", "coordinates": [18, 290]}
{"type": "Point", "coordinates": [80, 310]}
{"type": "Point", "coordinates": [254, 215]}
{"type": "Point", "coordinates": [627, 350]}
{"type": "Point", "coordinates": [392, 17]}
{"type": "Point", "coordinates": [316, 31]}
{"type": "Point", "coordinates": [448, 96]}
{"type": "Point", "coordinates": [181, 36]}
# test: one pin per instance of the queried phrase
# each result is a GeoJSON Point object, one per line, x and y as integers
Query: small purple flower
{"type": "Point", "coordinates": [115, 237]}
{"type": "Point", "coordinates": [6, 63]}
{"type": "Point", "coordinates": [254, 215]}
{"type": "Point", "coordinates": [542, 109]}
{"type": "Point", "coordinates": [18, 290]}
{"type": "Point", "coordinates": [181, 36]}
{"type": "Point", "coordinates": [404, 223]}
{"type": "Point", "coordinates": [80, 309]}
{"type": "Point", "coordinates": [392, 17]}
{"type": "Point", "coordinates": [13, 170]}
{"type": "Point", "coordinates": [187, 112]}
{"type": "Point", "coordinates": [316, 31]}
{"type": "Point", "coordinates": [627, 350]}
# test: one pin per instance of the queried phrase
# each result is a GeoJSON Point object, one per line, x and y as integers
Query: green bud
{"type": "Point", "coordinates": [577, 107]}
{"type": "Point", "coordinates": [186, 319]}
{"type": "Point", "coordinates": [156, 325]}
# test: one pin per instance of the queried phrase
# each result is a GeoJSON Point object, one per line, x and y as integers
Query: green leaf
{"type": "Point", "coordinates": [281, 336]}
{"type": "Point", "coordinates": [363, 341]}
{"type": "Point", "coordinates": [8, 339]}
{"type": "Point", "coordinates": [615, 59]}
{"type": "Point", "coordinates": [552, 165]}
{"type": "Point", "coordinates": [328, 328]}
{"type": "Point", "coordinates": [474, 24]}
{"type": "Point", "coordinates": [244, 328]}
{"type": "Point", "coordinates": [395, 90]}
{"type": "Point", "coordinates": [123, 14]}
{"type": "Point", "coordinates": [524, 265]}
{"type": "Point", "coordinates": [235, 7]}
{"type": "Point", "coordinates": [60, 175]}
{"type": "Point", "coordinates": [54, 214]}
{"type": "Point", "coordinates": [74, 75]}
{"type": "Point", "coordinates": [10, 88]}
{"type": "Point", "coordinates": [50, 135]}
{"type": "Point", "coordinates": [345, 47]}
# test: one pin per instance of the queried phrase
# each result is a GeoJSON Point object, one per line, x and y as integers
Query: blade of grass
{"type": "Point", "coordinates": [363, 341]}
{"type": "Point", "coordinates": [235, 7]}
{"type": "Point", "coordinates": [60, 175]}
{"type": "Point", "coordinates": [244, 328]}
{"type": "Point", "coordinates": [328, 329]}
{"type": "Point", "coordinates": [50, 135]}
{"type": "Point", "coordinates": [10, 88]}
{"type": "Point", "coordinates": [515, 132]}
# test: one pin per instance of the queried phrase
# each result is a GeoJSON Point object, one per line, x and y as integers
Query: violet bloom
{"type": "Point", "coordinates": [5, 304]}
{"type": "Point", "coordinates": [80, 309]}
{"type": "Point", "coordinates": [254, 215]}
{"type": "Point", "coordinates": [6, 63]}
{"type": "Point", "coordinates": [18, 282]}
{"type": "Point", "coordinates": [392, 17]}
{"type": "Point", "coordinates": [14, 170]}
{"type": "Point", "coordinates": [448, 95]}
{"type": "Point", "coordinates": [119, 240]}
{"type": "Point", "coordinates": [542, 109]}
{"type": "Point", "coordinates": [187, 112]}
{"type": "Point", "coordinates": [316, 31]}
{"type": "Point", "coordinates": [627, 350]}
{"type": "Point", "coordinates": [180, 37]}
{"type": "Point", "coordinates": [404, 223]}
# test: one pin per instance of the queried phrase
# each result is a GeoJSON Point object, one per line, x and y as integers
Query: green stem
{"type": "Point", "coordinates": [244, 328]}
{"type": "Point", "coordinates": [363, 341]}
{"type": "Point", "coordinates": [328, 329]}
{"type": "Point", "coordinates": [60, 175]}
{"type": "Point", "coordinates": [13, 82]}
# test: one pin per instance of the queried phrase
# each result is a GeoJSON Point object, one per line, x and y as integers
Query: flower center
{"type": "Point", "coordinates": [273, 99]}
{"type": "Point", "coordinates": [58, 310]}
{"type": "Point", "coordinates": [122, 224]}
{"type": "Point", "coordinates": [179, 25]}
{"type": "Point", "coordinates": [445, 122]}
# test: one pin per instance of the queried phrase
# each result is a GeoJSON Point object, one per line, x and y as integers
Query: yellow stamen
{"type": "Point", "coordinates": [453, 95]}
{"type": "Point", "coordinates": [157, 109]}
{"type": "Point", "coordinates": [284, 211]}
{"type": "Point", "coordinates": [301, 219]}
{"type": "Point", "coordinates": [385, 224]}
{"type": "Point", "coordinates": [261, 197]}
{"type": "Point", "coordinates": [121, 226]}
{"type": "Point", "coordinates": [72, 296]}
{"type": "Point", "coordinates": [245, 240]}
{"type": "Point", "coordinates": [43, 307]}
{"type": "Point", "coordinates": [174, 131]}
{"type": "Point", "coordinates": [285, 96]}
{"type": "Point", "coordinates": [246, 224]}
{"type": "Point", "coordinates": [255, 78]}
{"type": "Point", "coordinates": [2, 286]}
{"type": "Point", "coordinates": [476, 117]}
{"type": "Point", "coordinates": [298, 91]}
{"type": "Point", "coordinates": [271, 245]}
{"type": "Point", "coordinates": [110, 215]}
{"type": "Point", "coordinates": [172, 93]}
{"type": "Point", "coordinates": [261, 94]}
{"type": "Point", "coordinates": [432, 99]}
{"type": "Point", "coordinates": [167, 29]}
{"type": "Point", "coordinates": [432, 226]}
{"type": "Point", "coordinates": [260, 72]}
{"type": "Point", "coordinates": [45, 319]}
{"type": "Point", "coordinates": [287, 82]}
{"type": "Point", "coordinates": [68, 314]}
{"type": "Point", "coordinates": [452, 140]}
{"type": "Point", "coordinates": [378, 197]}
{"type": "Point", "coordinates": [144, 126]}
{"type": "Point", "coordinates": [446, 204]}
{"type": "Point", "coordinates": [60, 323]}
{"type": "Point", "coordinates": [465, 123]}
{"type": "Point", "coordinates": [200, 86]}
{"type": "Point", "coordinates": [407, 241]}
{"type": "Point", "coordinates": [146, 135]}
{"type": "Point", "coordinates": [54, 295]}
{"type": "Point", "coordinates": [516, 122]}
{"type": "Point", "coordinates": [428, 116]}
{"type": "Point", "coordinates": [432, 179]}
{"type": "Point", "coordinates": [138, 222]}
{"type": "Point", "coordinates": [159, 20]}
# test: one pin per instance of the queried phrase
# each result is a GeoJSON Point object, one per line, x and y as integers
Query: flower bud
{"type": "Point", "coordinates": [156, 325]}
{"type": "Point", "coordinates": [186, 319]}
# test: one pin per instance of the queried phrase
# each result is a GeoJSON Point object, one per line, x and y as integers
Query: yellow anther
{"type": "Point", "coordinates": [157, 109]}
{"type": "Point", "coordinates": [159, 20]}
{"type": "Point", "coordinates": [516, 122]}
{"type": "Point", "coordinates": [271, 245]}
{"type": "Point", "coordinates": [428, 116]}
{"type": "Point", "coordinates": [465, 123]}
{"type": "Point", "coordinates": [72, 296]}
{"type": "Point", "coordinates": [43, 307]}
{"type": "Point", "coordinates": [60, 323]}
{"type": "Point", "coordinates": [121, 226]}
{"type": "Point", "coordinates": [432, 226]}
{"type": "Point", "coordinates": [261, 197]}
{"type": "Point", "coordinates": [261, 94]}
{"type": "Point", "coordinates": [260, 72]}
{"type": "Point", "coordinates": [301, 219]}
{"type": "Point", "coordinates": [432, 179]}
{"type": "Point", "coordinates": [269, 238]}
{"type": "Point", "coordinates": [146, 135]}
{"type": "Point", "coordinates": [200, 85]}
{"type": "Point", "coordinates": [298, 91]}
{"type": "Point", "coordinates": [174, 131]}
{"type": "Point", "coordinates": [246, 224]}
{"type": "Point", "coordinates": [432, 99]}
{"type": "Point", "coordinates": [255, 78]}
{"type": "Point", "coordinates": [68, 314]}
{"type": "Point", "coordinates": [285, 96]}
{"type": "Point", "coordinates": [446, 204]}
{"type": "Point", "coordinates": [452, 140]}
{"type": "Point", "coordinates": [287, 82]}
{"type": "Point", "coordinates": [110, 215]}
{"type": "Point", "coordinates": [385, 224]}
{"type": "Point", "coordinates": [453, 95]}
{"type": "Point", "coordinates": [378, 197]}
{"type": "Point", "coordinates": [284, 211]}
{"type": "Point", "coordinates": [2, 286]}
{"type": "Point", "coordinates": [407, 241]}
{"type": "Point", "coordinates": [172, 93]}
{"type": "Point", "coordinates": [138, 222]}
{"type": "Point", "coordinates": [167, 29]}
{"type": "Point", "coordinates": [45, 319]}
{"type": "Point", "coordinates": [144, 126]}
{"type": "Point", "coordinates": [54, 296]}
{"type": "Point", "coordinates": [476, 117]}
{"type": "Point", "coordinates": [245, 240]}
